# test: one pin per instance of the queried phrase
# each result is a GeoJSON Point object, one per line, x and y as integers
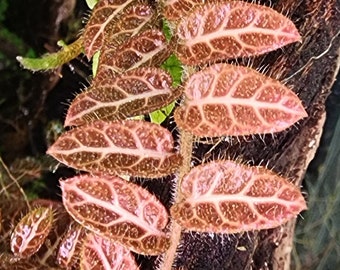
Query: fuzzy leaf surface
{"type": "Point", "coordinates": [70, 246]}
{"type": "Point", "coordinates": [133, 93]}
{"type": "Point", "coordinates": [99, 27]}
{"type": "Point", "coordinates": [230, 30]}
{"type": "Point", "coordinates": [118, 210]}
{"type": "Point", "coordinates": [228, 100]}
{"type": "Point", "coordinates": [227, 197]}
{"type": "Point", "coordinates": [174, 10]}
{"type": "Point", "coordinates": [137, 148]}
{"type": "Point", "coordinates": [141, 50]}
{"type": "Point", "coordinates": [103, 254]}
{"type": "Point", "coordinates": [31, 232]}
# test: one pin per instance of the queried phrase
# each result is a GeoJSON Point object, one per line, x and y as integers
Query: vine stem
{"type": "Point", "coordinates": [186, 142]}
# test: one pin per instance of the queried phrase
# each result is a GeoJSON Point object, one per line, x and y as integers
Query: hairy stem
{"type": "Point", "coordinates": [53, 60]}
{"type": "Point", "coordinates": [186, 152]}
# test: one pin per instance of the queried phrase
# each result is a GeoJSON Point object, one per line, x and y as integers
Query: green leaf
{"type": "Point", "coordinates": [166, 29]}
{"type": "Point", "coordinates": [95, 63]}
{"type": "Point", "coordinates": [53, 60]}
{"type": "Point", "coordinates": [174, 67]}
{"type": "Point", "coordinates": [91, 3]}
{"type": "Point", "coordinates": [160, 115]}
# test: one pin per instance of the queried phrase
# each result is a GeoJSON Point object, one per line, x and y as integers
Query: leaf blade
{"type": "Point", "coordinates": [141, 50]}
{"type": "Point", "coordinates": [120, 210]}
{"type": "Point", "coordinates": [132, 93]}
{"type": "Point", "coordinates": [227, 100]}
{"type": "Point", "coordinates": [137, 148]}
{"type": "Point", "coordinates": [100, 23]}
{"type": "Point", "coordinates": [100, 253]}
{"type": "Point", "coordinates": [31, 231]}
{"type": "Point", "coordinates": [231, 30]}
{"type": "Point", "coordinates": [227, 197]}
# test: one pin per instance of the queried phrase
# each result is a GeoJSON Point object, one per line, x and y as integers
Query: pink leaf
{"type": "Point", "coordinates": [137, 148]}
{"type": "Point", "coordinates": [133, 93]}
{"type": "Point", "coordinates": [227, 197]}
{"type": "Point", "coordinates": [177, 9]}
{"type": "Point", "coordinates": [149, 47]}
{"type": "Point", "coordinates": [118, 210]}
{"type": "Point", "coordinates": [234, 100]}
{"type": "Point", "coordinates": [232, 29]}
{"type": "Point", "coordinates": [31, 231]}
{"type": "Point", "coordinates": [102, 254]}
{"type": "Point", "coordinates": [100, 25]}
{"type": "Point", "coordinates": [70, 246]}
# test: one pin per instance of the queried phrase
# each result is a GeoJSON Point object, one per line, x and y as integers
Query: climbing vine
{"type": "Point", "coordinates": [138, 70]}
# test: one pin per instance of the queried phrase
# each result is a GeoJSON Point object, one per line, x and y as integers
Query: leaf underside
{"type": "Point", "coordinates": [102, 254]}
{"type": "Point", "coordinates": [133, 93]}
{"type": "Point", "coordinates": [230, 30]}
{"type": "Point", "coordinates": [228, 100]}
{"type": "Point", "coordinates": [227, 197]}
{"type": "Point", "coordinates": [118, 210]}
{"type": "Point", "coordinates": [137, 148]}
{"type": "Point", "coordinates": [31, 231]}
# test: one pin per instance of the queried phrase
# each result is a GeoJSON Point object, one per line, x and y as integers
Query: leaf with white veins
{"type": "Point", "coordinates": [137, 148]}
{"type": "Point", "coordinates": [133, 93]}
{"type": "Point", "coordinates": [228, 100]}
{"type": "Point", "coordinates": [117, 210]}
{"type": "Point", "coordinates": [227, 197]}
{"type": "Point", "coordinates": [232, 29]}
{"type": "Point", "coordinates": [98, 28]}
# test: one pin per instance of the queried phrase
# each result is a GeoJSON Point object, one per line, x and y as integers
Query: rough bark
{"type": "Point", "coordinates": [310, 69]}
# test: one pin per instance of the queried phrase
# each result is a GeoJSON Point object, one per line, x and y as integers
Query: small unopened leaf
{"type": "Point", "coordinates": [91, 3]}
{"type": "Point", "coordinates": [118, 210]}
{"type": "Point", "coordinates": [137, 148]}
{"type": "Point", "coordinates": [227, 197]}
{"type": "Point", "coordinates": [70, 246]}
{"type": "Point", "coordinates": [31, 232]}
{"type": "Point", "coordinates": [228, 100]}
{"type": "Point", "coordinates": [98, 28]}
{"type": "Point", "coordinates": [175, 68]}
{"type": "Point", "coordinates": [141, 50]}
{"type": "Point", "coordinates": [102, 254]}
{"type": "Point", "coordinates": [133, 93]}
{"type": "Point", "coordinates": [232, 29]}
{"type": "Point", "coordinates": [160, 115]}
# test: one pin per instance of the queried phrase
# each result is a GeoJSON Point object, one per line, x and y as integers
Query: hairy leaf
{"type": "Point", "coordinates": [53, 60]}
{"type": "Point", "coordinates": [99, 27]}
{"type": "Point", "coordinates": [137, 148]}
{"type": "Point", "coordinates": [174, 10]}
{"type": "Point", "coordinates": [234, 100]}
{"type": "Point", "coordinates": [141, 50]}
{"type": "Point", "coordinates": [102, 254]}
{"type": "Point", "coordinates": [227, 197]}
{"type": "Point", "coordinates": [70, 246]}
{"type": "Point", "coordinates": [118, 210]}
{"type": "Point", "coordinates": [31, 232]}
{"type": "Point", "coordinates": [133, 93]}
{"type": "Point", "coordinates": [233, 29]}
